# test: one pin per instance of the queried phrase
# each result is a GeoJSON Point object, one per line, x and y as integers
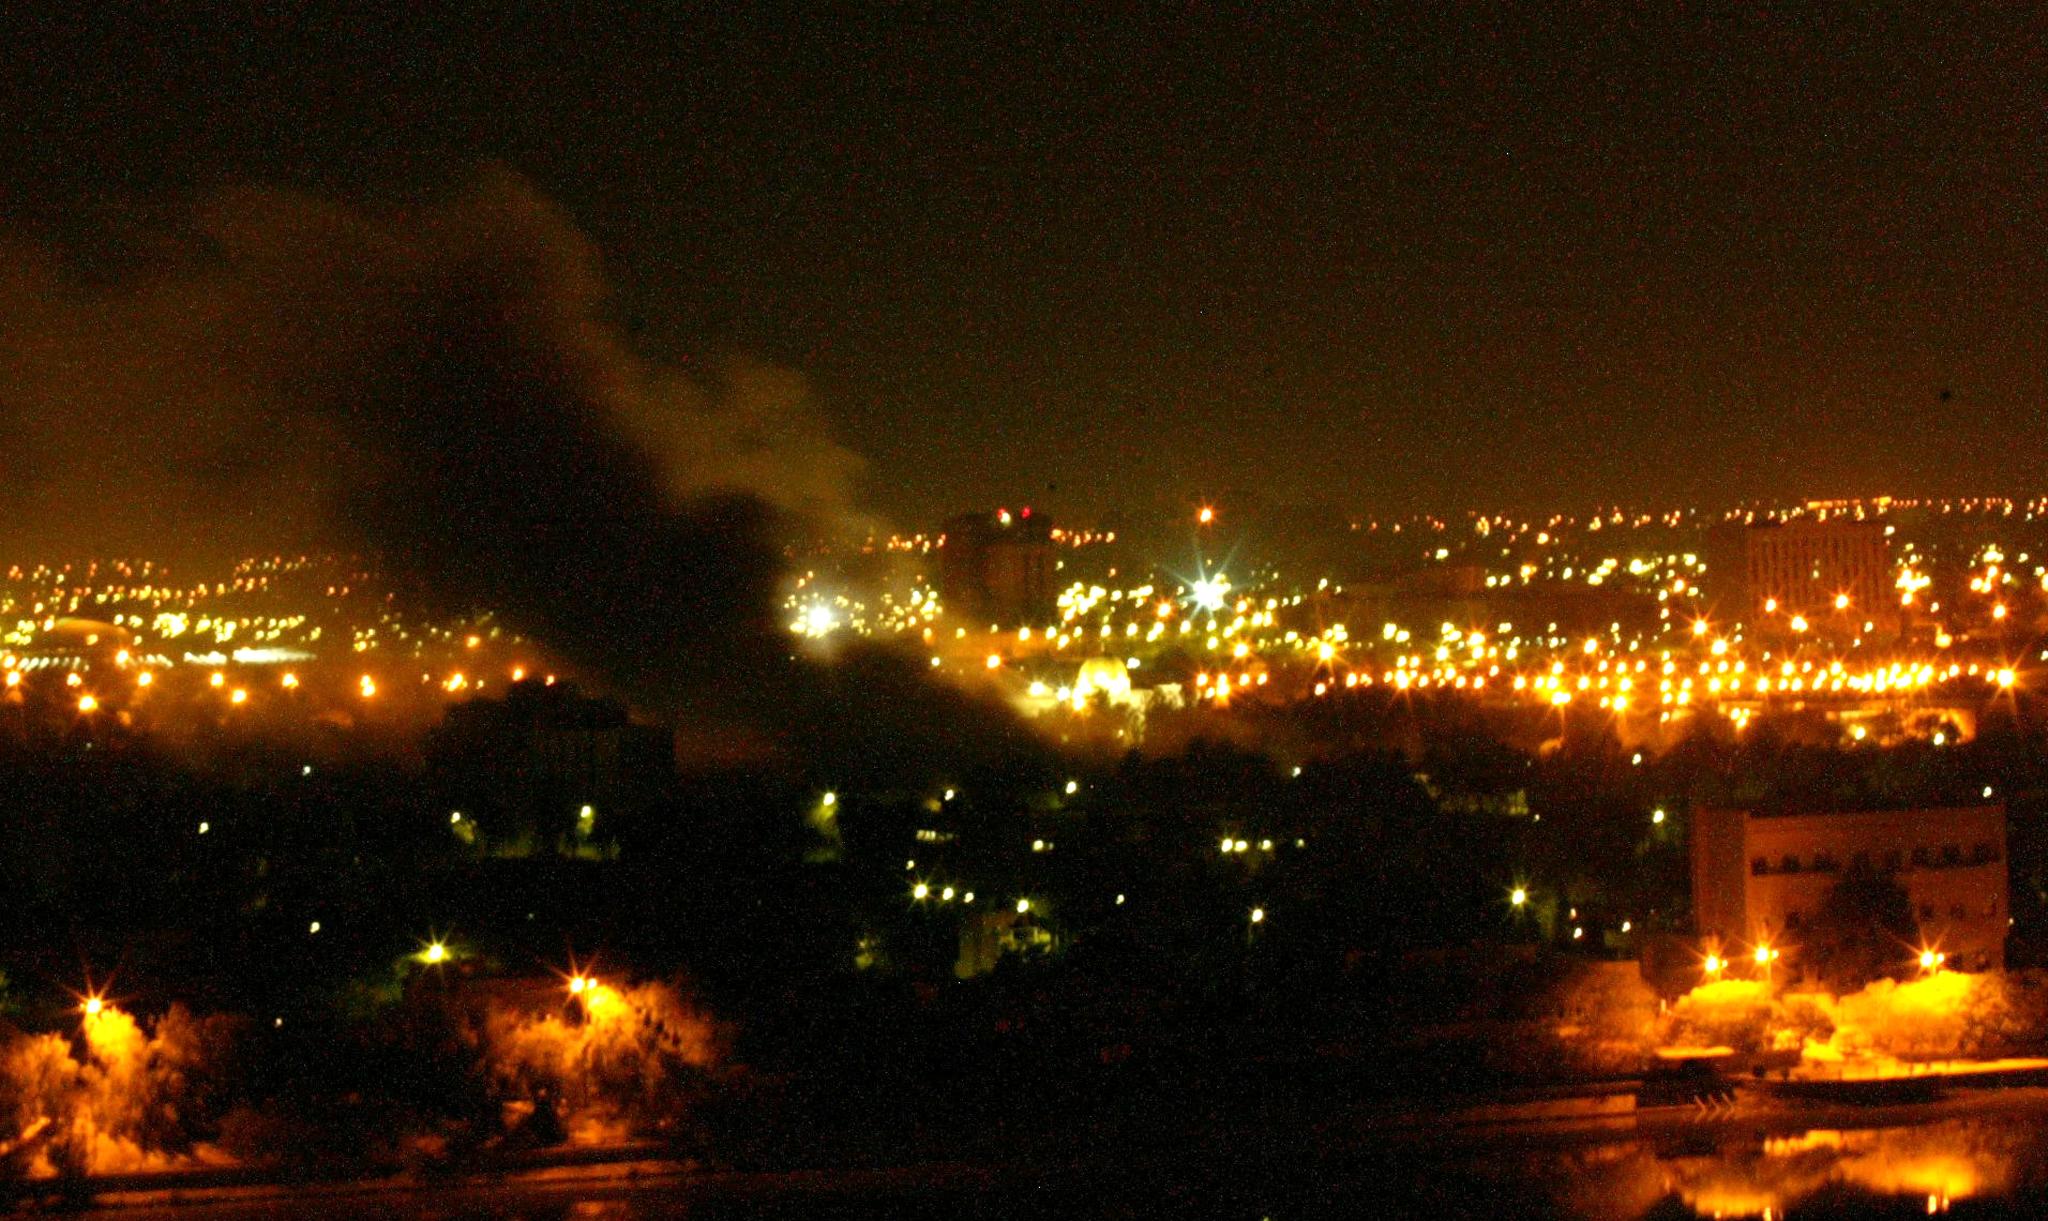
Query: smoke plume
{"type": "Point", "coordinates": [436, 386]}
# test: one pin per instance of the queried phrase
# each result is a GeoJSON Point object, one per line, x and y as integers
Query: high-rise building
{"type": "Point", "coordinates": [999, 568]}
{"type": "Point", "coordinates": [1820, 571]}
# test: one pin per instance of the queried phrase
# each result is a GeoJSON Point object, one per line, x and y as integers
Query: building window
{"type": "Point", "coordinates": [1893, 861]}
{"type": "Point", "coordinates": [1759, 867]}
{"type": "Point", "coordinates": [1788, 864]}
{"type": "Point", "coordinates": [1922, 858]}
{"type": "Point", "coordinates": [1982, 854]}
{"type": "Point", "coordinates": [1824, 862]}
{"type": "Point", "coordinates": [1927, 911]}
{"type": "Point", "coordinates": [1951, 854]}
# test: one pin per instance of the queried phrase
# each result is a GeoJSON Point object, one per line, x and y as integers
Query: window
{"type": "Point", "coordinates": [1759, 867]}
{"type": "Point", "coordinates": [1951, 854]}
{"type": "Point", "coordinates": [1788, 864]}
{"type": "Point", "coordinates": [1927, 911]}
{"type": "Point", "coordinates": [1824, 862]}
{"type": "Point", "coordinates": [1893, 861]}
{"type": "Point", "coordinates": [1922, 858]}
{"type": "Point", "coordinates": [1982, 854]}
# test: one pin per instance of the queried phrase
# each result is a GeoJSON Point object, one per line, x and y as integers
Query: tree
{"type": "Point", "coordinates": [1864, 930]}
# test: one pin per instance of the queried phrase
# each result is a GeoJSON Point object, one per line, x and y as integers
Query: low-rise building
{"type": "Point", "coordinates": [1760, 878]}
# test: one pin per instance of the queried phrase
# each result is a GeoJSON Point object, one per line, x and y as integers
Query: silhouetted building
{"type": "Point", "coordinates": [525, 768]}
{"type": "Point", "coordinates": [1761, 878]}
{"type": "Point", "coordinates": [999, 568]}
{"type": "Point", "coordinates": [1820, 570]}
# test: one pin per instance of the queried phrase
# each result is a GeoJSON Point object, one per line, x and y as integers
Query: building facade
{"type": "Point", "coordinates": [1759, 879]}
{"type": "Point", "coordinates": [999, 568]}
{"type": "Point", "coordinates": [1819, 570]}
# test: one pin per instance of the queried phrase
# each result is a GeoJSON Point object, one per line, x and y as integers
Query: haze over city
{"type": "Point", "coordinates": [896, 611]}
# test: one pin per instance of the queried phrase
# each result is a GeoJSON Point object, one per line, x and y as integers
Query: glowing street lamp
{"type": "Point", "coordinates": [1518, 898]}
{"type": "Point", "coordinates": [1713, 964]}
{"type": "Point", "coordinates": [1931, 960]}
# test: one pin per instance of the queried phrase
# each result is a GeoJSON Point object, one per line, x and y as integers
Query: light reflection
{"type": "Point", "coordinates": [1935, 1165]}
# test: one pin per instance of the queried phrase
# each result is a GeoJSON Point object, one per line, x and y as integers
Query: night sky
{"type": "Point", "coordinates": [1406, 259]}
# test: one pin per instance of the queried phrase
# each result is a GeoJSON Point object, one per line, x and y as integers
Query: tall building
{"type": "Point", "coordinates": [545, 766]}
{"type": "Point", "coordinates": [1819, 570]}
{"type": "Point", "coordinates": [999, 568]}
{"type": "Point", "coordinates": [1761, 878]}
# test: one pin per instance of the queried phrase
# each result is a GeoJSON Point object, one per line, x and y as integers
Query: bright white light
{"type": "Point", "coordinates": [1209, 593]}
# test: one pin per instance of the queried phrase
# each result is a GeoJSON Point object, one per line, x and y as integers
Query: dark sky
{"type": "Point", "coordinates": [1405, 258]}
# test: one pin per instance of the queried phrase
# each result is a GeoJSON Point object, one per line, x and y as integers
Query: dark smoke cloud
{"type": "Point", "coordinates": [437, 386]}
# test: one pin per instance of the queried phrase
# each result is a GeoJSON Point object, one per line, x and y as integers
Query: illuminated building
{"type": "Point", "coordinates": [1759, 879]}
{"type": "Point", "coordinates": [999, 568]}
{"type": "Point", "coordinates": [1819, 570]}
